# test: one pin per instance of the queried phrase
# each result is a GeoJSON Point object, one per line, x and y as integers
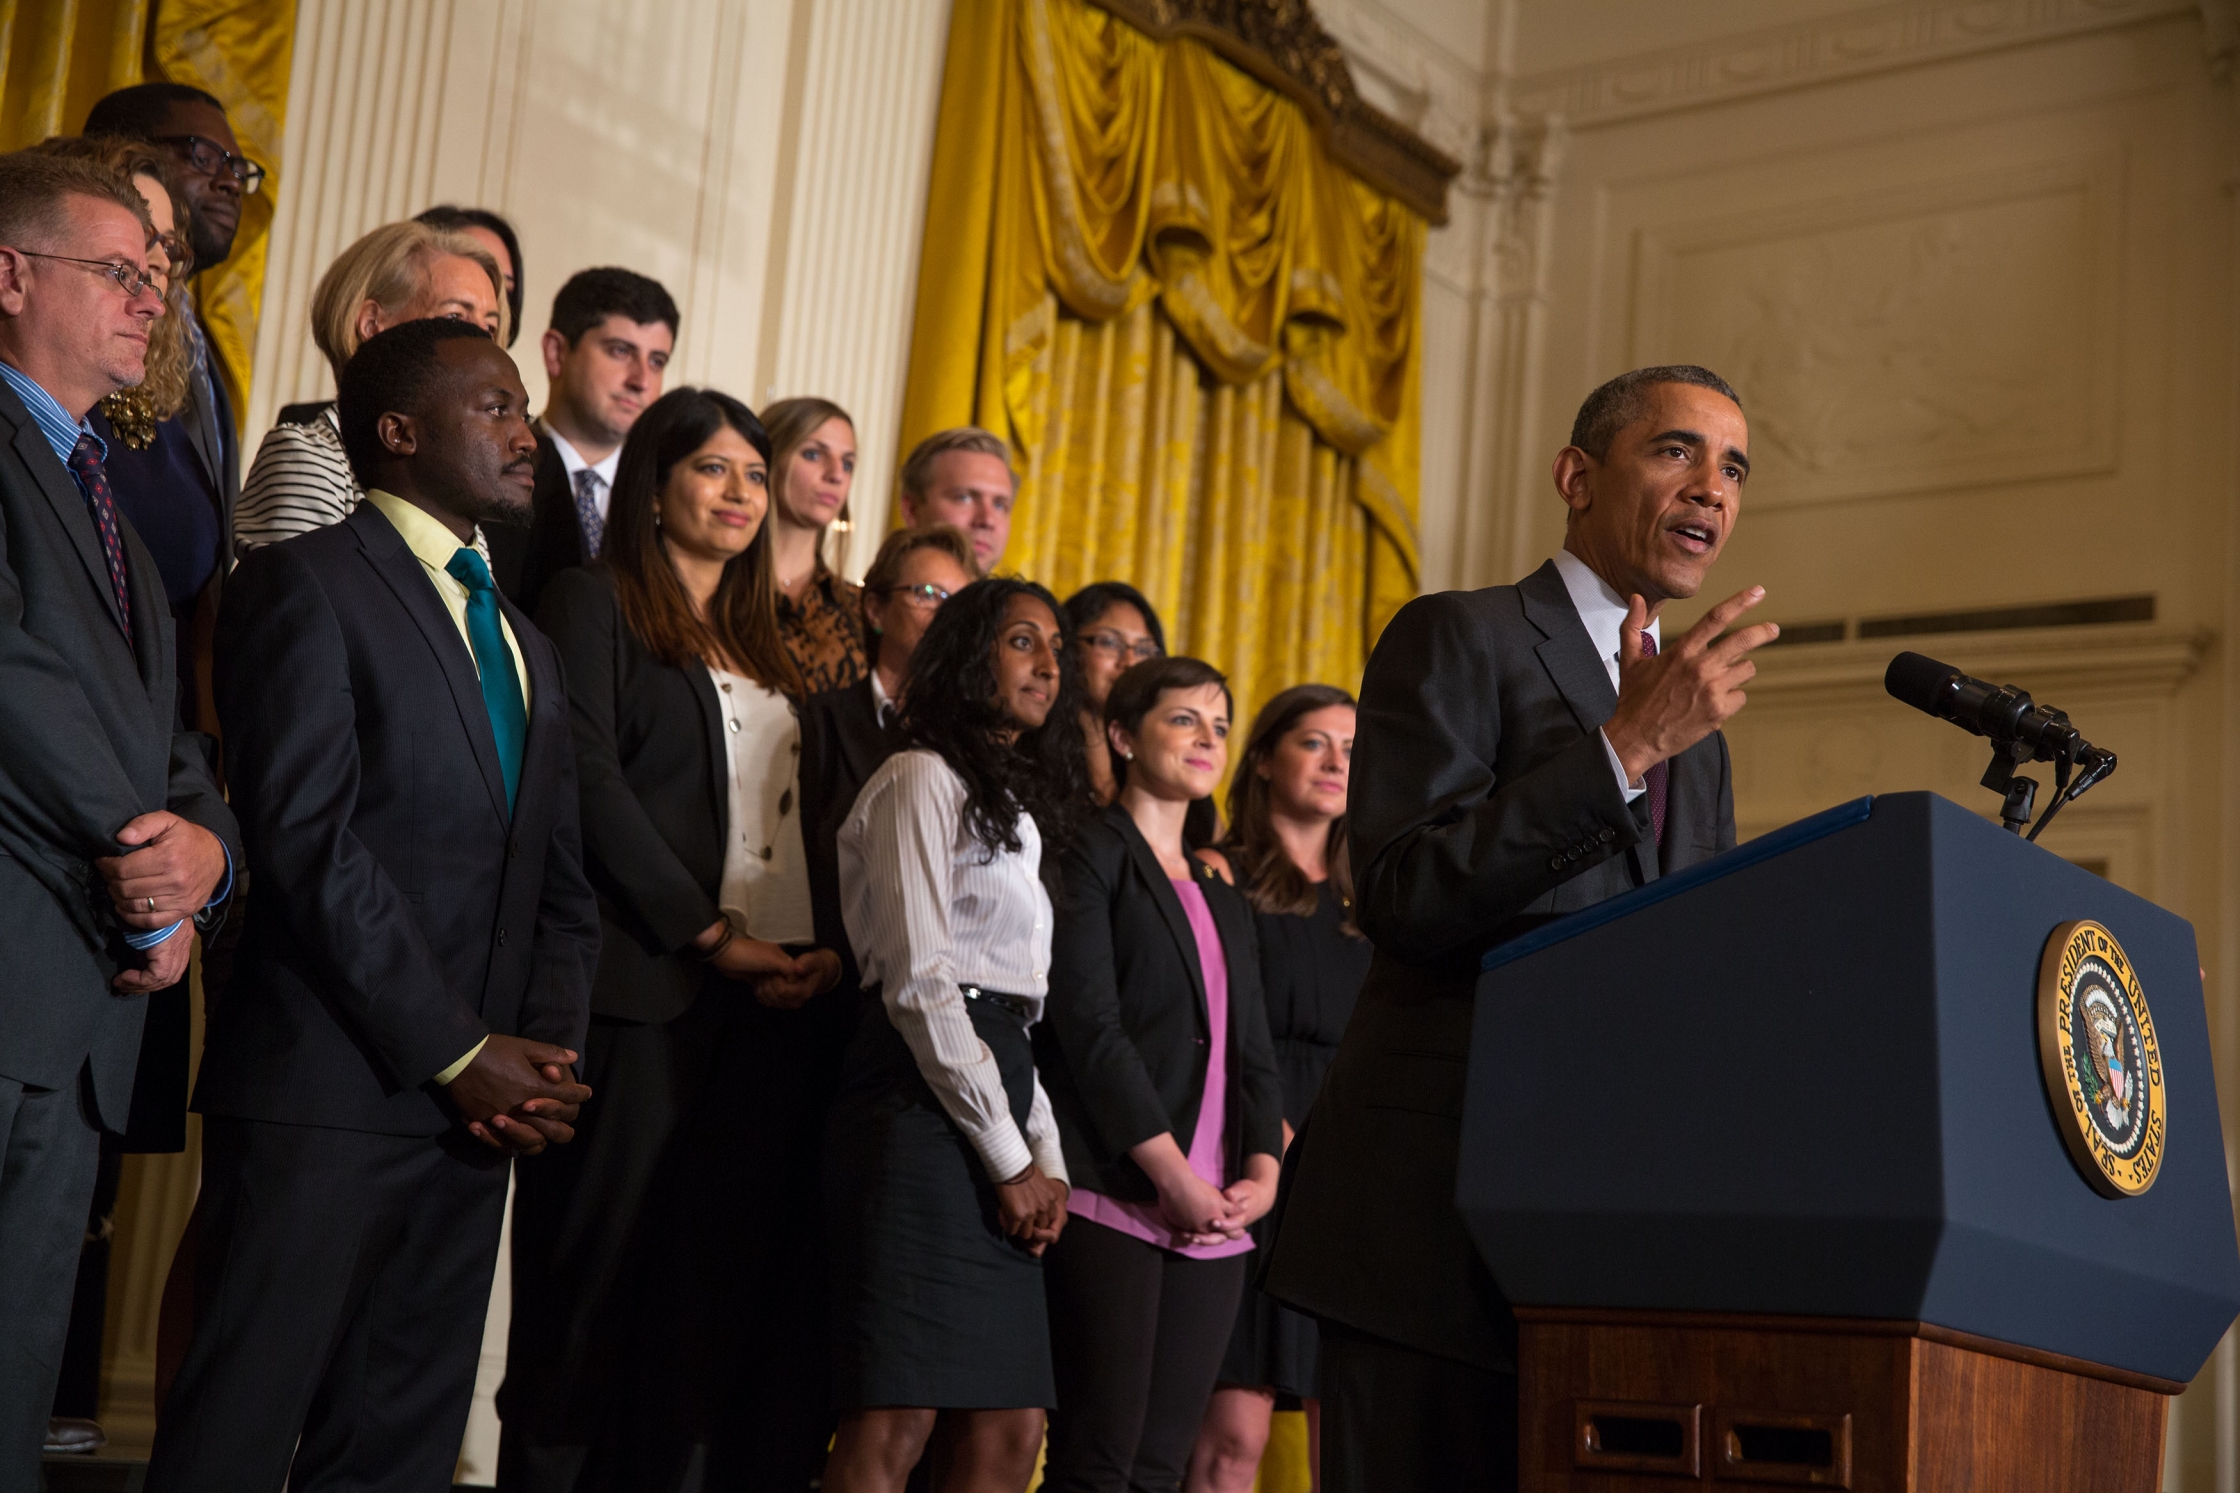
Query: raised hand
{"type": "Point", "coordinates": [512, 1099]}
{"type": "Point", "coordinates": [1669, 702]}
{"type": "Point", "coordinates": [171, 872]}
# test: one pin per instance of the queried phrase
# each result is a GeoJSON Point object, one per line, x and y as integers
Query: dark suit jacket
{"type": "Point", "coordinates": [1123, 1046]}
{"type": "Point", "coordinates": [1483, 804]}
{"type": "Point", "coordinates": [88, 741]}
{"type": "Point", "coordinates": [400, 914]}
{"type": "Point", "coordinates": [522, 560]}
{"type": "Point", "coordinates": [842, 745]}
{"type": "Point", "coordinates": [656, 804]}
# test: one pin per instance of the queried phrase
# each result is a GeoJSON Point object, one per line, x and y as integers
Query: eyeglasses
{"type": "Point", "coordinates": [130, 278]}
{"type": "Point", "coordinates": [926, 595]}
{"type": "Point", "coordinates": [208, 158]}
{"type": "Point", "coordinates": [1120, 647]}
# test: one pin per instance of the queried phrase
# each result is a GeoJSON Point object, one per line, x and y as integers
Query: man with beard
{"type": "Point", "coordinates": [414, 982]}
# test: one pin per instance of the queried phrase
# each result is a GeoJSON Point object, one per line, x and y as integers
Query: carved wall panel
{"type": "Point", "coordinates": [1935, 335]}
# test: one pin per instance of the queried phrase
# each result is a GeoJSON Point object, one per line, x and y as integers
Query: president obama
{"type": "Point", "coordinates": [1522, 752]}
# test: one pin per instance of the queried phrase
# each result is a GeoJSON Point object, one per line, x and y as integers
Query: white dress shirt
{"type": "Point", "coordinates": [572, 460]}
{"type": "Point", "coordinates": [765, 887]}
{"type": "Point", "coordinates": [928, 909]}
{"type": "Point", "coordinates": [1603, 612]}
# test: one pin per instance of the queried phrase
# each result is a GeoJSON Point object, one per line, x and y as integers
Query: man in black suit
{"type": "Point", "coordinates": [112, 834]}
{"type": "Point", "coordinates": [1523, 752]}
{"type": "Point", "coordinates": [416, 973]}
{"type": "Point", "coordinates": [606, 354]}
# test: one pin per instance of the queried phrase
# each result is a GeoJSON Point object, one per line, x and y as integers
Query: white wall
{"type": "Point", "coordinates": [766, 160]}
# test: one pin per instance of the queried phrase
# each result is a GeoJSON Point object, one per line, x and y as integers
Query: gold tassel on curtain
{"type": "Point", "coordinates": [1199, 334]}
{"type": "Point", "coordinates": [57, 57]}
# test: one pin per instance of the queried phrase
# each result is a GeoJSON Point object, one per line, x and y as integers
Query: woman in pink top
{"type": "Point", "coordinates": [1154, 1051]}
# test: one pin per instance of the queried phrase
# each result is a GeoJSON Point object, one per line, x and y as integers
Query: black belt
{"type": "Point", "coordinates": [1010, 1005]}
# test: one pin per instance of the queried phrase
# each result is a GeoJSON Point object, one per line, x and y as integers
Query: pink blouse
{"type": "Point", "coordinates": [1144, 1220]}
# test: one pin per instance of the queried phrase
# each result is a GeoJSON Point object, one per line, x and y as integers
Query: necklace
{"type": "Point", "coordinates": [133, 416]}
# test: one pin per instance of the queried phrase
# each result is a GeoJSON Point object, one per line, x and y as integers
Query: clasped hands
{"type": "Point", "coordinates": [1195, 1209]}
{"type": "Point", "coordinates": [780, 980]}
{"type": "Point", "coordinates": [518, 1095]}
{"type": "Point", "coordinates": [1669, 702]}
{"type": "Point", "coordinates": [170, 872]}
{"type": "Point", "coordinates": [1033, 1208]}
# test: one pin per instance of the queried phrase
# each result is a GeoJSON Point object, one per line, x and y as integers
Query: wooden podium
{"type": "Point", "coordinates": [1627, 1402]}
{"type": "Point", "coordinates": [1780, 1162]}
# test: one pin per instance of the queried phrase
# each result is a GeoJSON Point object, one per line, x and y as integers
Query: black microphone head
{"type": "Point", "coordinates": [1917, 679]}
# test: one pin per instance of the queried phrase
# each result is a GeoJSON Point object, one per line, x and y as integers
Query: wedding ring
{"type": "Point", "coordinates": [151, 904]}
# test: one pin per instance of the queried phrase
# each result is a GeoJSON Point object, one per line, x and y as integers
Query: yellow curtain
{"type": "Point", "coordinates": [1198, 333]}
{"type": "Point", "coordinates": [58, 56]}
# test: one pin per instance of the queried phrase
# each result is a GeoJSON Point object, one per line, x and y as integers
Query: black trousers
{"type": "Point", "coordinates": [668, 1286]}
{"type": "Point", "coordinates": [49, 1149]}
{"type": "Point", "coordinates": [340, 1291]}
{"type": "Point", "coordinates": [1136, 1335]}
{"type": "Point", "coordinates": [1395, 1420]}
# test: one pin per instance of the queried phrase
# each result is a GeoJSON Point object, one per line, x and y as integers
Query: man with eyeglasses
{"type": "Point", "coordinates": [114, 840]}
{"type": "Point", "coordinates": [213, 177]}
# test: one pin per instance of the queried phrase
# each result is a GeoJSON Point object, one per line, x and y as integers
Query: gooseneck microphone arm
{"type": "Point", "coordinates": [2020, 730]}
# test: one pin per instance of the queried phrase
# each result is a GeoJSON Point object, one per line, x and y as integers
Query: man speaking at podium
{"type": "Point", "coordinates": [1523, 752]}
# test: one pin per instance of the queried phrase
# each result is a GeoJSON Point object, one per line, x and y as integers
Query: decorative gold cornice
{"type": "Point", "coordinates": [1281, 43]}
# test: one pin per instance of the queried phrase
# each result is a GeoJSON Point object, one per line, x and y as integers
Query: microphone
{"type": "Point", "coordinates": [2008, 716]}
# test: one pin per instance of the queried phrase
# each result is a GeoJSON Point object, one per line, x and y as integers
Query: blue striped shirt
{"type": "Point", "coordinates": [62, 434]}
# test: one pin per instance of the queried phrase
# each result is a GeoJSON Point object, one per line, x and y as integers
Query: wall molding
{"type": "Point", "coordinates": [2144, 657]}
{"type": "Point", "coordinates": [1886, 37]}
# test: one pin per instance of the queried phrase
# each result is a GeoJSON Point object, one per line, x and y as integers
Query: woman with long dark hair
{"type": "Point", "coordinates": [1165, 1090]}
{"type": "Point", "coordinates": [1287, 842]}
{"type": "Point", "coordinates": [1114, 628]}
{"type": "Point", "coordinates": [659, 1263]}
{"type": "Point", "coordinates": [944, 1179]}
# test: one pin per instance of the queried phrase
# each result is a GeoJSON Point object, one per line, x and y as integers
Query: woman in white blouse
{"type": "Point", "coordinates": [944, 1178]}
{"type": "Point", "coordinates": [667, 1270]}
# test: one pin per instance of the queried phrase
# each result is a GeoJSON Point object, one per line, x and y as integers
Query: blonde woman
{"type": "Point", "coordinates": [812, 470]}
{"type": "Point", "coordinates": [398, 273]}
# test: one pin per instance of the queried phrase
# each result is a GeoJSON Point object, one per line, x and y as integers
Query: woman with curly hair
{"type": "Point", "coordinates": [944, 1177]}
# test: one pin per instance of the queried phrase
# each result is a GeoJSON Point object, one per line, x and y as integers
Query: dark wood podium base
{"type": "Point", "coordinates": [1647, 1402]}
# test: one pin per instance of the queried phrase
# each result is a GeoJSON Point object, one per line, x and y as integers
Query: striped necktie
{"type": "Point", "coordinates": [93, 481]}
{"type": "Point", "coordinates": [587, 512]}
{"type": "Point", "coordinates": [501, 684]}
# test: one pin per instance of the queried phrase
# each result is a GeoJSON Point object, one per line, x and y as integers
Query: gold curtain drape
{"type": "Point", "coordinates": [1199, 334]}
{"type": "Point", "coordinates": [58, 56]}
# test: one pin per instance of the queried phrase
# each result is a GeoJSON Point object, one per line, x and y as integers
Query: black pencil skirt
{"type": "Point", "coordinates": [933, 1306]}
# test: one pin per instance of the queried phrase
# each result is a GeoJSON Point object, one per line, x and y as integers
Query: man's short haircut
{"type": "Point", "coordinates": [917, 467]}
{"type": "Point", "coordinates": [886, 566]}
{"type": "Point", "coordinates": [1624, 400]}
{"type": "Point", "coordinates": [141, 110]}
{"type": "Point", "coordinates": [458, 220]}
{"type": "Point", "coordinates": [391, 373]}
{"type": "Point", "coordinates": [35, 188]}
{"type": "Point", "coordinates": [591, 296]}
{"type": "Point", "coordinates": [388, 266]}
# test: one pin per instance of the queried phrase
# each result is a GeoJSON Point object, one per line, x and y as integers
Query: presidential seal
{"type": "Point", "coordinates": [2103, 1067]}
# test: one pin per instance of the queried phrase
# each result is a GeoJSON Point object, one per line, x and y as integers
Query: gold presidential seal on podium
{"type": "Point", "coordinates": [2103, 1067]}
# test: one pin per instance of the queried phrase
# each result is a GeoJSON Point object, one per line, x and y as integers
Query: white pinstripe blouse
{"type": "Point", "coordinates": [927, 910]}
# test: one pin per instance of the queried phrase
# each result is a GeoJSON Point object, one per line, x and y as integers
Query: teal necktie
{"type": "Point", "coordinates": [501, 686]}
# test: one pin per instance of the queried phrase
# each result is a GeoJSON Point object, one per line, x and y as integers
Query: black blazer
{"type": "Point", "coordinates": [656, 805]}
{"type": "Point", "coordinates": [842, 745]}
{"type": "Point", "coordinates": [522, 560]}
{"type": "Point", "coordinates": [88, 741]}
{"type": "Point", "coordinates": [400, 915]}
{"type": "Point", "coordinates": [1483, 804]}
{"type": "Point", "coordinates": [1122, 1046]}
